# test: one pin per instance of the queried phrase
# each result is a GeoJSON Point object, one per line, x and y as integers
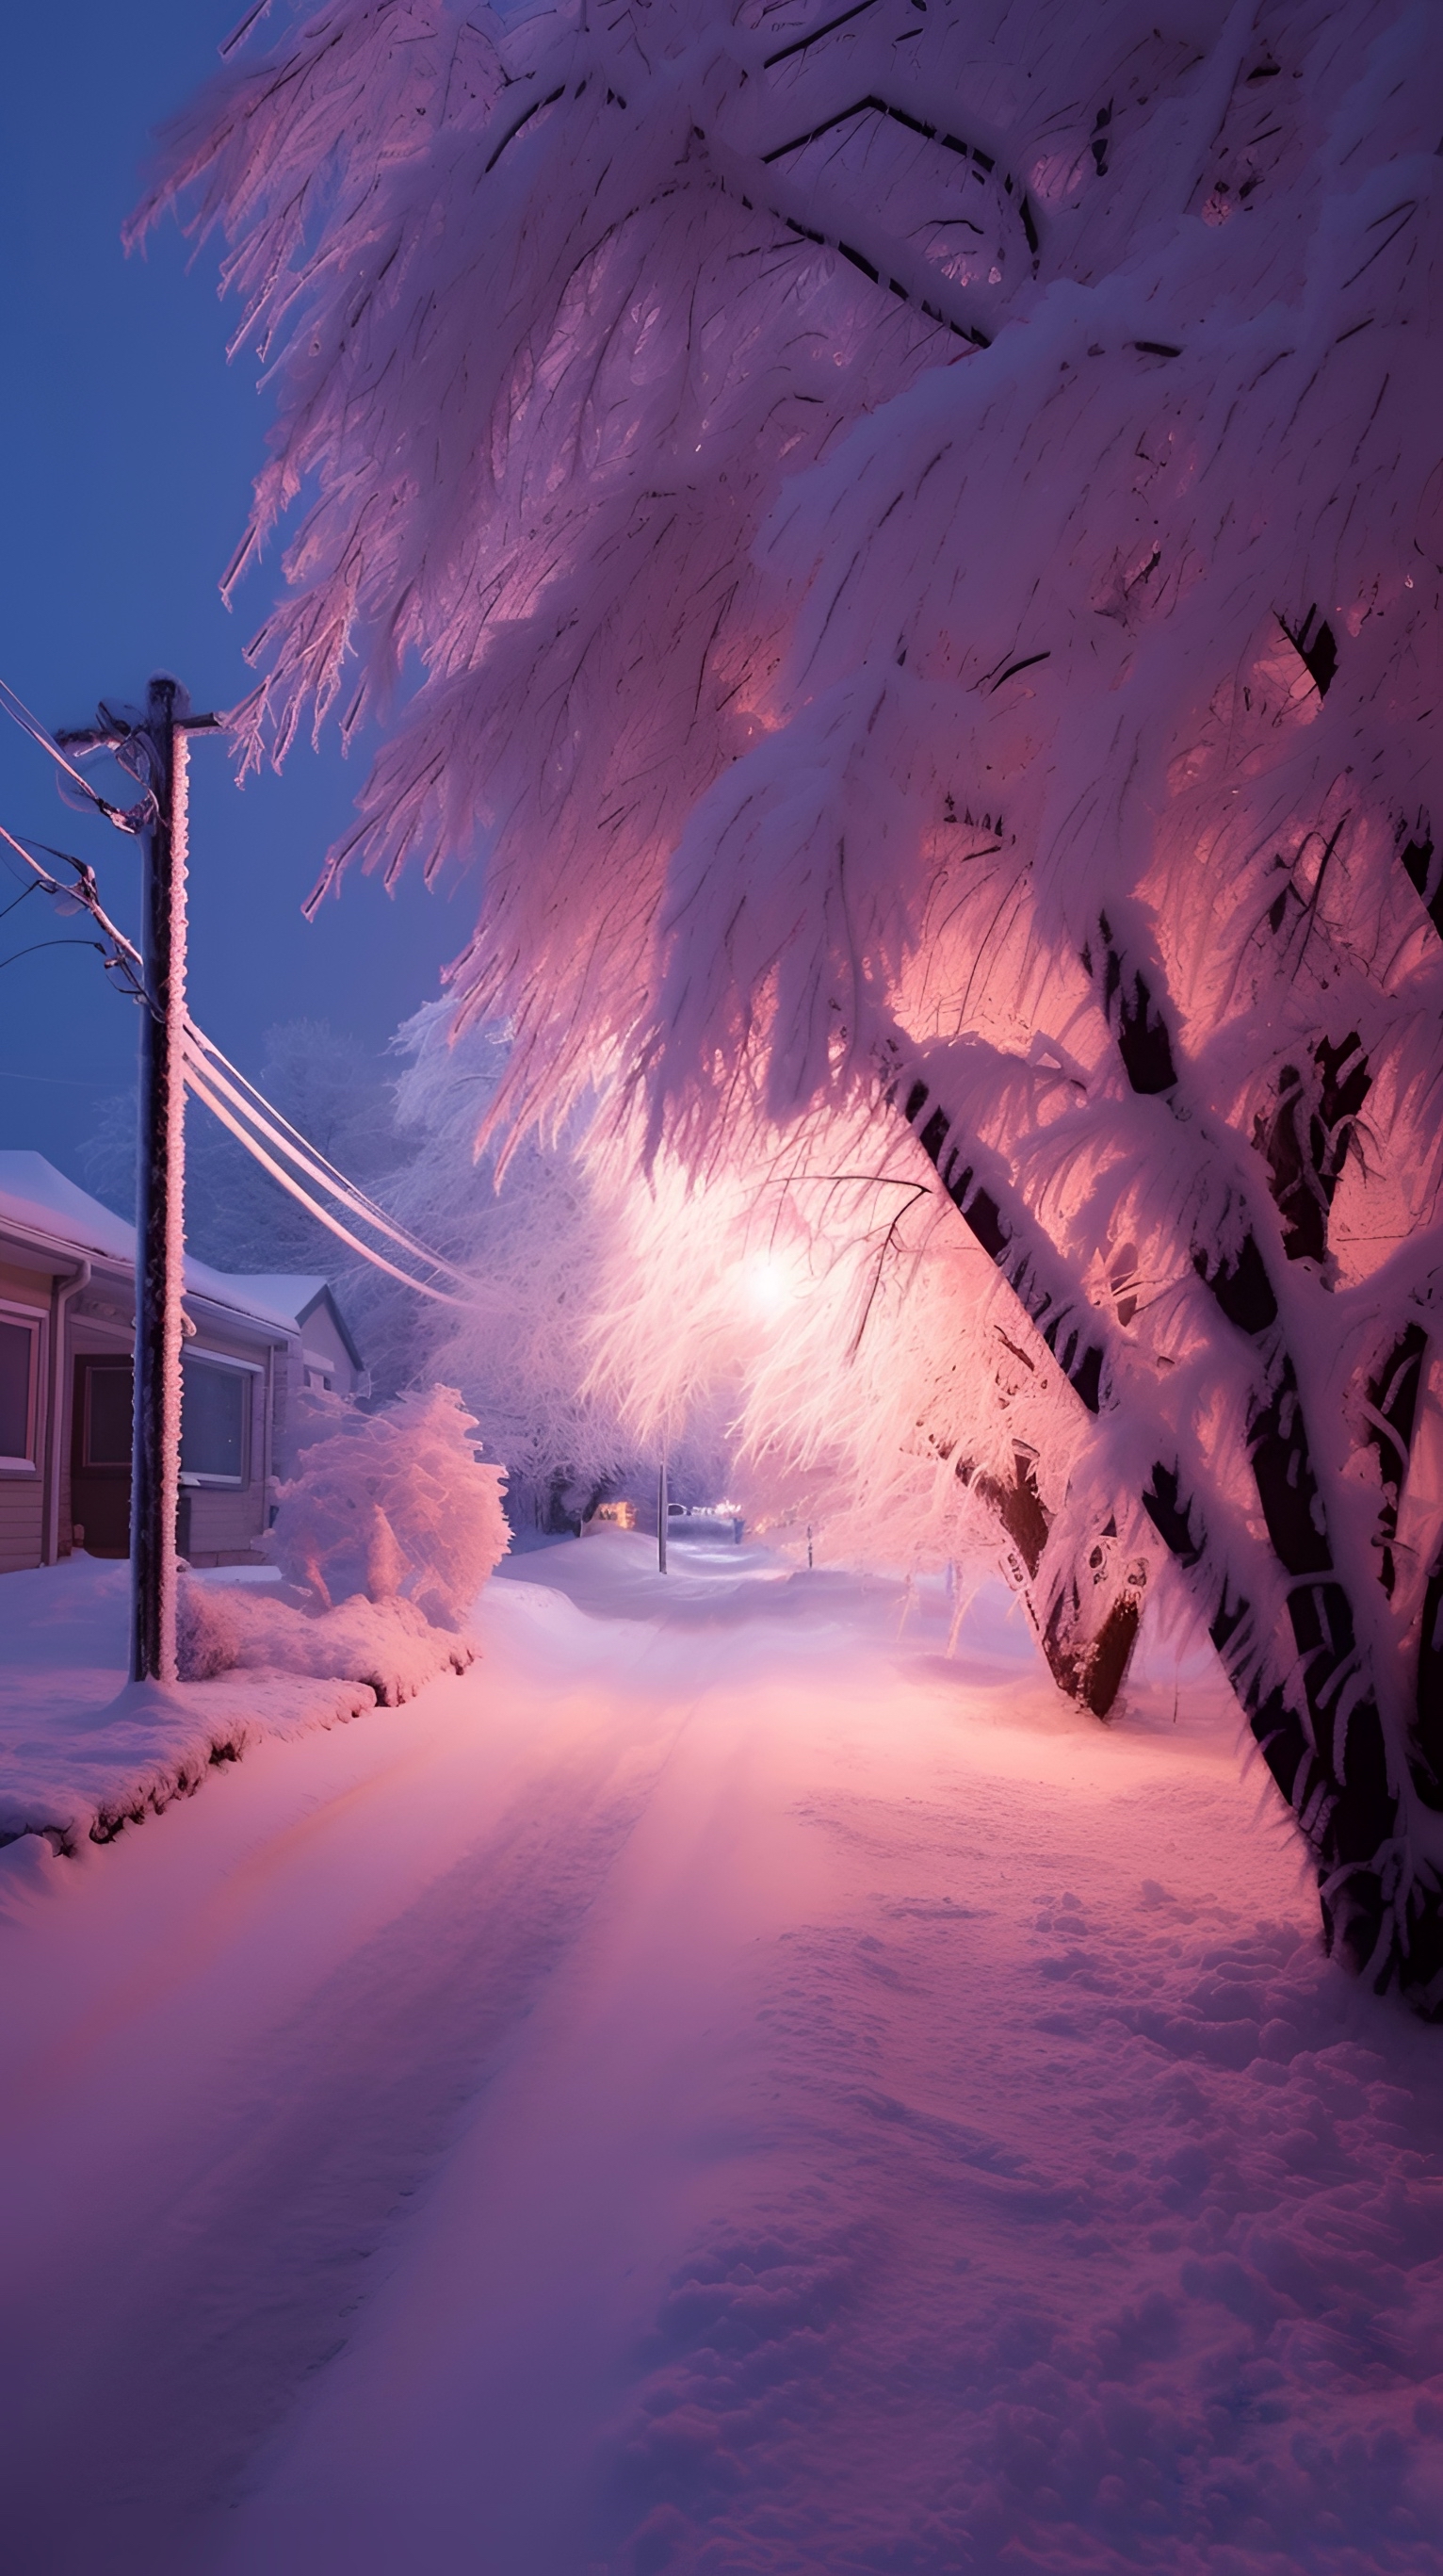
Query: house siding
{"type": "Point", "coordinates": [226, 1523]}
{"type": "Point", "coordinates": [22, 1520]}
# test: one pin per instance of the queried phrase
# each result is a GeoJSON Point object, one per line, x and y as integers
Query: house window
{"type": "Point", "coordinates": [214, 1421]}
{"type": "Point", "coordinates": [19, 1374]}
{"type": "Point", "coordinates": [109, 1401]}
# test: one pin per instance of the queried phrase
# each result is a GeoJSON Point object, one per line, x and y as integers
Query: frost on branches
{"type": "Point", "coordinates": [922, 531]}
{"type": "Point", "coordinates": [393, 1505]}
{"type": "Point", "coordinates": [535, 1237]}
{"type": "Point", "coordinates": [386, 1533]}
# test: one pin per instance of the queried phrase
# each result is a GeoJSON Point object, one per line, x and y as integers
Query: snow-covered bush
{"type": "Point", "coordinates": [394, 1505]}
{"type": "Point", "coordinates": [390, 1644]}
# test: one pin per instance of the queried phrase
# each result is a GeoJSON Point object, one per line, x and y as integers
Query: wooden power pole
{"type": "Point", "coordinates": [160, 1197]}
{"type": "Point", "coordinates": [154, 748]}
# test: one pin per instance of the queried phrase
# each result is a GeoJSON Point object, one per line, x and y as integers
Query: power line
{"type": "Point", "coordinates": [269, 1122]}
{"type": "Point", "coordinates": [36, 945]}
{"type": "Point", "coordinates": [196, 1083]}
{"type": "Point", "coordinates": [123, 956]}
{"type": "Point", "coordinates": [253, 1120]}
{"type": "Point", "coordinates": [216, 1081]}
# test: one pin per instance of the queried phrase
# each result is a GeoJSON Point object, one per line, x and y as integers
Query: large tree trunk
{"type": "Point", "coordinates": [1086, 1611]}
{"type": "Point", "coordinates": [1320, 1606]}
{"type": "Point", "coordinates": [1307, 1695]}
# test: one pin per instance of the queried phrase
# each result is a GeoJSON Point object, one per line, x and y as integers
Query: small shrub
{"type": "Point", "coordinates": [395, 1505]}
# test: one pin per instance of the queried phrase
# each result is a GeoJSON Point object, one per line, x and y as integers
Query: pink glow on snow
{"type": "Point", "coordinates": [719, 2086]}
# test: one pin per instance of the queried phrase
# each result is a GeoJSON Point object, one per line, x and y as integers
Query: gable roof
{"type": "Point", "coordinates": [297, 1293]}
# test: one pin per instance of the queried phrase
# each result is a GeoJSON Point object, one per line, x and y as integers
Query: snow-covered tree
{"type": "Point", "coordinates": [538, 1240]}
{"type": "Point", "coordinates": [922, 529]}
{"type": "Point", "coordinates": [817, 1302]}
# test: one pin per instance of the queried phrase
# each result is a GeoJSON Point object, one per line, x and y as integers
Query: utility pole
{"type": "Point", "coordinates": [155, 750]}
{"type": "Point", "coordinates": [662, 1514]}
{"type": "Point", "coordinates": [160, 1198]}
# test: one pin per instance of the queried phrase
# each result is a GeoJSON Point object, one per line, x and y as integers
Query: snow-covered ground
{"type": "Point", "coordinates": [719, 2087]}
{"type": "Point", "coordinates": [84, 1752]}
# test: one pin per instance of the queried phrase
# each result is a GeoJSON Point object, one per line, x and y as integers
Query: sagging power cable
{"type": "Point", "coordinates": [259, 1129]}
{"type": "Point", "coordinates": [267, 1135]}
{"type": "Point", "coordinates": [286, 1139]}
{"type": "Point", "coordinates": [196, 1083]}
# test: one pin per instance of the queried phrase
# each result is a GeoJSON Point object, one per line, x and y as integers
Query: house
{"type": "Point", "coordinates": [329, 1357]}
{"type": "Point", "coordinates": [67, 1319]}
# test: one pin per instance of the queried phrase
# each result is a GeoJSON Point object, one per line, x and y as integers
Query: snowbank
{"type": "Point", "coordinates": [82, 1752]}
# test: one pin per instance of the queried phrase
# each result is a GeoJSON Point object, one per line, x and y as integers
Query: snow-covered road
{"type": "Point", "coordinates": [716, 2088]}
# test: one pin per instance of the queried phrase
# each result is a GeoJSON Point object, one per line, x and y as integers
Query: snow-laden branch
{"type": "Point", "coordinates": [798, 672]}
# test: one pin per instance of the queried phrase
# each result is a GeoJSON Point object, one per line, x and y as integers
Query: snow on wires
{"type": "Point", "coordinates": [303, 1172]}
{"type": "Point", "coordinates": [121, 958]}
{"type": "Point", "coordinates": [254, 1121]}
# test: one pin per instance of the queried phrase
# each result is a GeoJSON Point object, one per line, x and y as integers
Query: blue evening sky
{"type": "Point", "coordinates": [128, 449]}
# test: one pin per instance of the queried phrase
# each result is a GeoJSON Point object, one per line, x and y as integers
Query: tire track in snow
{"type": "Point", "coordinates": [211, 2327]}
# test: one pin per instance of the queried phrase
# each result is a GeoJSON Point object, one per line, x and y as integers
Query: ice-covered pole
{"type": "Point", "coordinates": [160, 1199]}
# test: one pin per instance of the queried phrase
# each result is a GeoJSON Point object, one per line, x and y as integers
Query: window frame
{"type": "Point", "coordinates": [36, 1320]}
{"type": "Point", "coordinates": [92, 1362]}
{"type": "Point", "coordinates": [250, 1370]}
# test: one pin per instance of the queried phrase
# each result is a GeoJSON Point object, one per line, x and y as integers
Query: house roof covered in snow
{"type": "Point", "coordinates": [296, 1293]}
{"type": "Point", "coordinates": [38, 1202]}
